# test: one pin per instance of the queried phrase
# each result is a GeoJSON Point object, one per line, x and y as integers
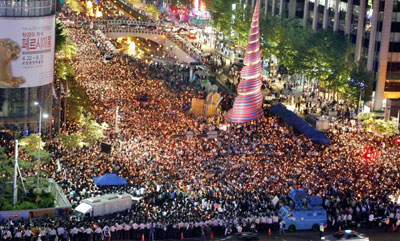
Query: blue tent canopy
{"type": "Point", "coordinates": [299, 124]}
{"type": "Point", "coordinates": [109, 180]}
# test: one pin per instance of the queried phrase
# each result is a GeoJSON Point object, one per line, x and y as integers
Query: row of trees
{"type": "Point", "coordinates": [153, 10]}
{"type": "Point", "coordinates": [34, 197]}
{"type": "Point", "coordinates": [324, 56]}
{"type": "Point", "coordinates": [232, 18]}
{"type": "Point", "coordinates": [78, 107]}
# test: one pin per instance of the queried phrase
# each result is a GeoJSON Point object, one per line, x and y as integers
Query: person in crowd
{"type": "Point", "coordinates": [194, 185]}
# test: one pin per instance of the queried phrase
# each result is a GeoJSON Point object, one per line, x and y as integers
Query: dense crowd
{"type": "Point", "coordinates": [197, 186]}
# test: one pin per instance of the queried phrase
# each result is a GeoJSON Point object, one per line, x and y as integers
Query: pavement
{"type": "Point", "coordinates": [314, 236]}
{"type": "Point", "coordinates": [374, 235]}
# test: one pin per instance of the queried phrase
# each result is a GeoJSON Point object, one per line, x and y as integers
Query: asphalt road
{"type": "Point", "coordinates": [374, 235]}
{"type": "Point", "coordinates": [314, 236]}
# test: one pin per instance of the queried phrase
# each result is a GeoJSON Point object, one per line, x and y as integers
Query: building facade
{"type": "Point", "coordinates": [28, 26]}
{"type": "Point", "coordinates": [372, 25]}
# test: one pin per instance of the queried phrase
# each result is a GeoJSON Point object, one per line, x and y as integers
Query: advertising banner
{"type": "Point", "coordinates": [26, 51]}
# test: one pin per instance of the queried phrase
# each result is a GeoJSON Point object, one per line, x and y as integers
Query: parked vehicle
{"type": "Point", "coordinates": [103, 205]}
{"type": "Point", "coordinates": [242, 237]}
{"type": "Point", "coordinates": [307, 213]}
{"type": "Point", "coordinates": [346, 235]}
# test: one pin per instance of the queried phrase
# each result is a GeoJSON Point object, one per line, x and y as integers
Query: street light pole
{"type": "Point", "coordinates": [229, 142]}
{"type": "Point", "coordinates": [116, 120]}
{"type": "Point", "coordinates": [15, 186]}
{"type": "Point", "coordinates": [359, 100]}
{"type": "Point", "coordinates": [40, 140]}
{"type": "Point", "coordinates": [40, 137]}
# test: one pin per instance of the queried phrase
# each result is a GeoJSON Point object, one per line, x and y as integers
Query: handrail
{"type": "Point", "coordinates": [133, 31]}
{"type": "Point", "coordinates": [128, 21]}
{"type": "Point", "coordinates": [185, 46]}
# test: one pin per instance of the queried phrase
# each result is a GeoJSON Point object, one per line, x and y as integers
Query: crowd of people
{"type": "Point", "coordinates": [198, 187]}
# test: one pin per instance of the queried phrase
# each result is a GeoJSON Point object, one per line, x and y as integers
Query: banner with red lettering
{"type": "Point", "coordinates": [26, 51]}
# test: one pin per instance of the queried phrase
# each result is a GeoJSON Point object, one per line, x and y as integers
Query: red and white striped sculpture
{"type": "Point", "coordinates": [248, 103]}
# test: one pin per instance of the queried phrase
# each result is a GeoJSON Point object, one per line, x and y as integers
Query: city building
{"type": "Point", "coordinates": [373, 26]}
{"type": "Point", "coordinates": [27, 43]}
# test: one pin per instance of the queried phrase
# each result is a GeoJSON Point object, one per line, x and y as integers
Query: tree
{"type": "Point", "coordinates": [136, 3]}
{"type": "Point", "coordinates": [75, 6]}
{"type": "Point", "coordinates": [30, 145]}
{"type": "Point", "coordinates": [79, 103]}
{"type": "Point", "coordinates": [361, 81]}
{"type": "Point", "coordinates": [221, 15]}
{"type": "Point", "coordinates": [153, 10]}
{"type": "Point", "coordinates": [271, 35]}
{"type": "Point", "coordinates": [64, 70]}
{"type": "Point", "coordinates": [65, 48]}
{"type": "Point", "coordinates": [93, 131]}
{"type": "Point", "coordinates": [288, 42]}
{"type": "Point", "coordinates": [6, 165]}
{"type": "Point", "coordinates": [180, 3]}
{"type": "Point", "coordinates": [332, 59]}
{"type": "Point", "coordinates": [71, 142]}
{"type": "Point", "coordinates": [241, 24]}
{"type": "Point", "coordinates": [371, 122]}
{"type": "Point", "coordinates": [324, 56]}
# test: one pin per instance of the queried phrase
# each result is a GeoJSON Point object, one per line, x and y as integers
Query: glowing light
{"type": "Point", "coordinates": [99, 14]}
{"type": "Point", "coordinates": [202, 6]}
{"type": "Point", "coordinates": [132, 47]}
{"type": "Point", "coordinates": [369, 154]}
{"type": "Point", "coordinates": [196, 4]}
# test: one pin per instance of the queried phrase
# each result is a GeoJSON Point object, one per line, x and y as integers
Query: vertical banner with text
{"type": "Point", "coordinates": [26, 51]}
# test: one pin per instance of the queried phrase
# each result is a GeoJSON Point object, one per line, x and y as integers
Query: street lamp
{"type": "Point", "coordinates": [361, 85]}
{"type": "Point", "coordinates": [45, 116]}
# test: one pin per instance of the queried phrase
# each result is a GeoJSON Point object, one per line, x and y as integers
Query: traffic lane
{"type": "Point", "coordinates": [128, 11]}
{"type": "Point", "coordinates": [373, 235]}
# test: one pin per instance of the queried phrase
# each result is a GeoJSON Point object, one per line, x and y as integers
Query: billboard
{"type": "Point", "coordinates": [26, 51]}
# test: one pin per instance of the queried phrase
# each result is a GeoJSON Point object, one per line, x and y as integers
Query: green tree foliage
{"type": "Point", "coordinates": [78, 101]}
{"type": "Point", "coordinates": [136, 3]}
{"type": "Point", "coordinates": [233, 23]}
{"type": "Point", "coordinates": [71, 142]}
{"type": "Point", "coordinates": [371, 122]}
{"type": "Point", "coordinates": [272, 34]}
{"type": "Point", "coordinates": [241, 25]}
{"type": "Point", "coordinates": [362, 81]}
{"type": "Point", "coordinates": [153, 10]}
{"type": "Point", "coordinates": [64, 70]}
{"type": "Point", "coordinates": [93, 131]}
{"type": "Point", "coordinates": [25, 201]}
{"type": "Point", "coordinates": [387, 128]}
{"type": "Point", "coordinates": [325, 55]}
{"type": "Point", "coordinates": [180, 3]}
{"type": "Point", "coordinates": [6, 165]}
{"type": "Point", "coordinates": [28, 200]}
{"type": "Point", "coordinates": [332, 59]}
{"type": "Point", "coordinates": [65, 48]}
{"type": "Point", "coordinates": [30, 145]}
{"type": "Point", "coordinates": [221, 11]}
{"type": "Point", "coordinates": [75, 5]}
